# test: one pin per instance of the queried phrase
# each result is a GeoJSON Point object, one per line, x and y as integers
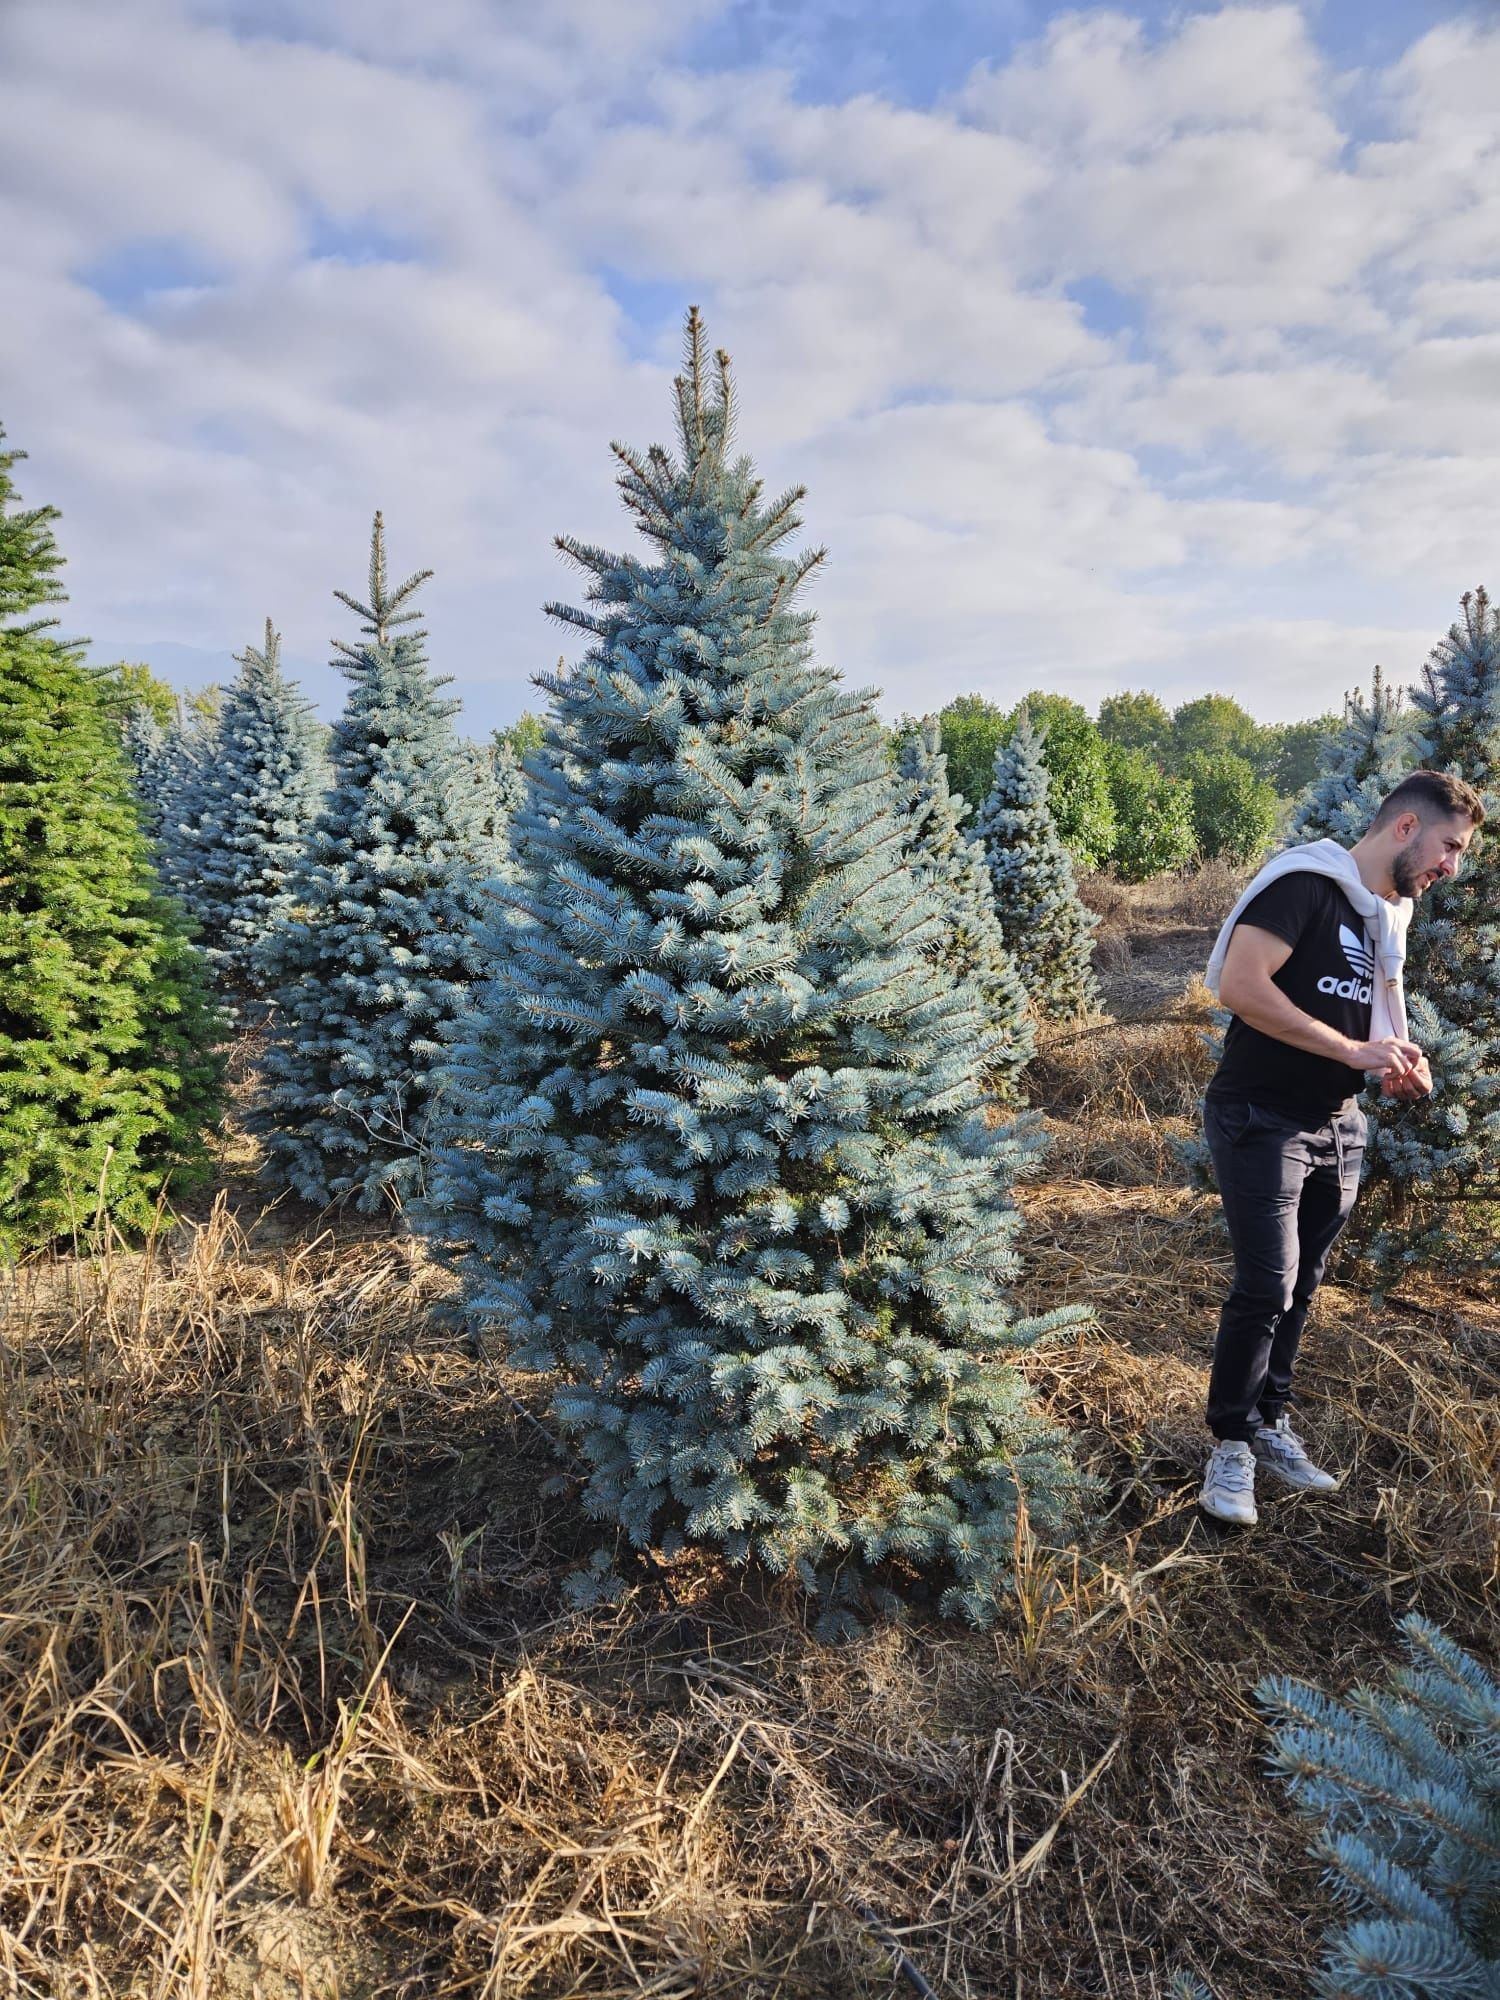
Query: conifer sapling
{"type": "Point", "coordinates": [373, 960]}
{"type": "Point", "coordinates": [972, 944]}
{"type": "Point", "coordinates": [1045, 925]}
{"type": "Point", "coordinates": [245, 814]}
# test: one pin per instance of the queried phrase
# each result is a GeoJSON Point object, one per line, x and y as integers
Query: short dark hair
{"type": "Point", "coordinates": [1431, 795]}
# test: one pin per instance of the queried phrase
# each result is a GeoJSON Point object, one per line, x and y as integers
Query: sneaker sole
{"type": "Point", "coordinates": [1293, 1485]}
{"type": "Point", "coordinates": [1227, 1520]}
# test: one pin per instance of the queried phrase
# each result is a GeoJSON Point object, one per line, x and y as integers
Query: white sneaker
{"type": "Point", "coordinates": [1279, 1449]}
{"type": "Point", "coordinates": [1229, 1483]}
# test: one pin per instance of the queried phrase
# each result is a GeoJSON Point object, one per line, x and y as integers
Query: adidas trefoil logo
{"type": "Point", "coordinates": [1362, 959]}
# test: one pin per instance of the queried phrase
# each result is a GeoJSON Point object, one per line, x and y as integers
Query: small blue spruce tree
{"type": "Point", "coordinates": [168, 789]}
{"type": "Point", "coordinates": [712, 1148]}
{"type": "Point", "coordinates": [1044, 922]}
{"type": "Point", "coordinates": [972, 944]}
{"type": "Point", "coordinates": [1372, 753]}
{"type": "Point", "coordinates": [1406, 1780]}
{"type": "Point", "coordinates": [245, 815]}
{"type": "Point", "coordinates": [374, 958]}
{"type": "Point", "coordinates": [500, 785]}
{"type": "Point", "coordinates": [144, 740]}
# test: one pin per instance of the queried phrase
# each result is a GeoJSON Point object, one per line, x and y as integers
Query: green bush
{"type": "Point", "coordinates": [1153, 816]}
{"type": "Point", "coordinates": [1216, 726]}
{"type": "Point", "coordinates": [1137, 721]}
{"type": "Point", "coordinates": [1234, 812]}
{"type": "Point", "coordinates": [973, 729]}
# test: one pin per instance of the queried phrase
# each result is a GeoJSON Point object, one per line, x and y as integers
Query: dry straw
{"type": "Point", "coordinates": [289, 1704]}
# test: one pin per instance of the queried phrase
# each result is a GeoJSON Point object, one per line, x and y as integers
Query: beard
{"type": "Point", "coordinates": [1404, 870]}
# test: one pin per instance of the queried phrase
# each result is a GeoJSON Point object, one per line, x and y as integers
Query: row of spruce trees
{"type": "Point", "coordinates": [683, 1055]}
{"type": "Point", "coordinates": [680, 1053]}
{"type": "Point", "coordinates": [344, 882]}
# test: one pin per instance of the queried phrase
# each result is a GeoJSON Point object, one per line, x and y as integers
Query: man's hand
{"type": "Point", "coordinates": [1416, 1083]}
{"type": "Point", "coordinates": [1391, 1059]}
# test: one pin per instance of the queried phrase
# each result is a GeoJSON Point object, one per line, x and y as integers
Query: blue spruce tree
{"type": "Point", "coordinates": [374, 959]}
{"type": "Point", "coordinates": [1043, 921]}
{"type": "Point", "coordinates": [1375, 749]}
{"type": "Point", "coordinates": [712, 1147]}
{"type": "Point", "coordinates": [168, 788]}
{"type": "Point", "coordinates": [499, 783]}
{"type": "Point", "coordinates": [972, 945]}
{"type": "Point", "coordinates": [244, 817]}
{"type": "Point", "coordinates": [1407, 1782]}
{"type": "Point", "coordinates": [144, 741]}
{"type": "Point", "coordinates": [1434, 1164]}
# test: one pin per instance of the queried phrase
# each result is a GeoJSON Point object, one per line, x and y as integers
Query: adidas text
{"type": "Point", "coordinates": [1343, 989]}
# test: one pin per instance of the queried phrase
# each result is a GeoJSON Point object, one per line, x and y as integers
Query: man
{"type": "Point", "coordinates": [1309, 964]}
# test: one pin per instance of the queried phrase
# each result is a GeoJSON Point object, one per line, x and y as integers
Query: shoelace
{"type": "Point", "coordinates": [1234, 1473]}
{"type": "Point", "coordinates": [1286, 1444]}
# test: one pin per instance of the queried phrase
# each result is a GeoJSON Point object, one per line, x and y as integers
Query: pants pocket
{"type": "Point", "coordinates": [1229, 1122]}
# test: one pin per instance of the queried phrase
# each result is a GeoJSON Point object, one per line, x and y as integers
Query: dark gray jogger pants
{"type": "Point", "coordinates": [1287, 1190]}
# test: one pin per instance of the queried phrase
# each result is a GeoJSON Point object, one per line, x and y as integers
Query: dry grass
{"type": "Point", "coordinates": [289, 1704]}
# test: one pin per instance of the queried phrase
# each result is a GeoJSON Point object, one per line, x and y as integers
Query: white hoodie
{"type": "Point", "coordinates": [1385, 926]}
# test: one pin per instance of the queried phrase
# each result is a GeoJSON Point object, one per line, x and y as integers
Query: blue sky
{"type": "Point", "coordinates": [1139, 346]}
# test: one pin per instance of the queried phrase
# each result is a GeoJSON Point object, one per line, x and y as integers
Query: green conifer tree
{"type": "Point", "coordinates": [1434, 1167]}
{"type": "Point", "coordinates": [373, 962]}
{"type": "Point", "coordinates": [713, 1146]}
{"type": "Point", "coordinates": [108, 1074]}
{"type": "Point", "coordinates": [1044, 923]}
{"type": "Point", "coordinates": [972, 944]}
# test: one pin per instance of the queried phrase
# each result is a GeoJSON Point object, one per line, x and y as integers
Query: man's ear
{"type": "Point", "coordinates": [1408, 825]}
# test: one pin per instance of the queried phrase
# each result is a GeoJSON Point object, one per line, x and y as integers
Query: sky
{"type": "Point", "coordinates": [1132, 347]}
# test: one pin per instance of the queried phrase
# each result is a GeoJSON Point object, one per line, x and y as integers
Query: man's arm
{"type": "Point", "coordinates": [1248, 989]}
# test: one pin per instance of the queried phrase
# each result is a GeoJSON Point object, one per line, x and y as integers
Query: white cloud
{"type": "Point", "coordinates": [1267, 459]}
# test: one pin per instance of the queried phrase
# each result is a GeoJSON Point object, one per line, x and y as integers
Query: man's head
{"type": "Point", "coordinates": [1423, 829]}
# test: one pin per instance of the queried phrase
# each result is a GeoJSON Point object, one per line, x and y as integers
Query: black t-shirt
{"type": "Point", "coordinates": [1329, 976]}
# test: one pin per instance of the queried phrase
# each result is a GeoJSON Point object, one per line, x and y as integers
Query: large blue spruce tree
{"type": "Point", "coordinates": [1044, 922]}
{"type": "Point", "coordinates": [1435, 1164]}
{"type": "Point", "coordinates": [374, 959]}
{"type": "Point", "coordinates": [244, 817]}
{"type": "Point", "coordinates": [713, 1147]}
{"type": "Point", "coordinates": [972, 943]}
